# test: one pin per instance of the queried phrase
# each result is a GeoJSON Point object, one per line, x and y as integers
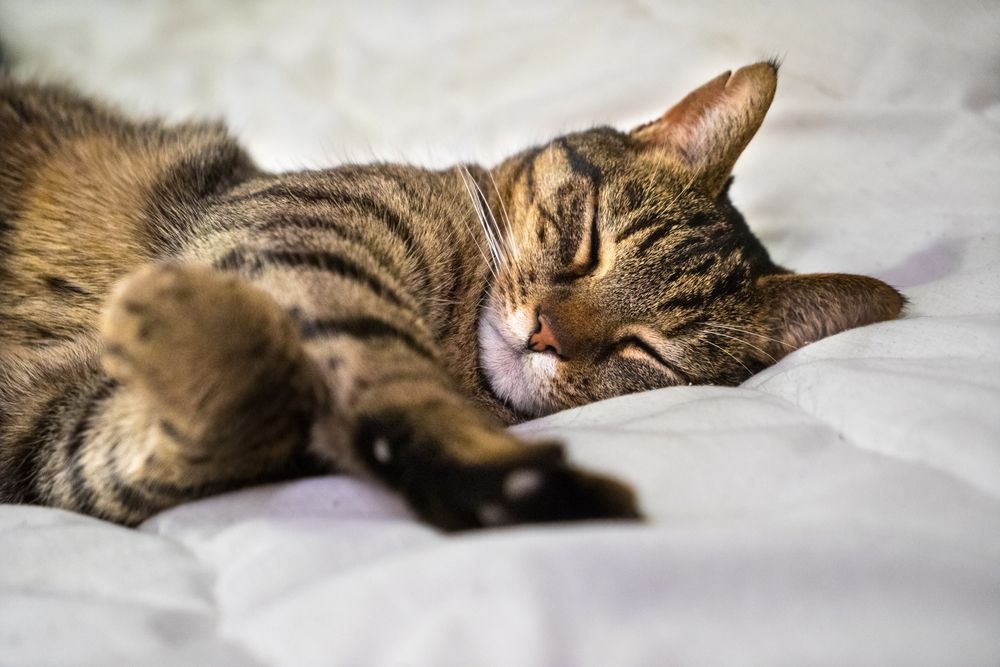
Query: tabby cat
{"type": "Point", "coordinates": [175, 322]}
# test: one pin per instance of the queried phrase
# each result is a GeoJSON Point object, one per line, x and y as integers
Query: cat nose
{"type": "Point", "coordinates": [544, 339]}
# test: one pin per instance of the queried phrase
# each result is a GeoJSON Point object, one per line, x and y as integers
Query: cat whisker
{"type": "Point", "coordinates": [511, 242]}
{"type": "Point", "coordinates": [492, 229]}
{"type": "Point", "coordinates": [463, 173]}
{"type": "Point", "coordinates": [481, 212]}
{"type": "Point", "coordinates": [470, 182]}
{"type": "Point", "coordinates": [753, 333]}
{"type": "Point", "coordinates": [740, 340]}
{"type": "Point", "coordinates": [725, 351]}
{"type": "Point", "coordinates": [488, 222]}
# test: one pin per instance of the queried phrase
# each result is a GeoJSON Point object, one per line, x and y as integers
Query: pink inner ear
{"type": "Point", "coordinates": [679, 127]}
{"type": "Point", "coordinates": [712, 125]}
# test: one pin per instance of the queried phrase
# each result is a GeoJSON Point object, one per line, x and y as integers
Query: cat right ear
{"type": "Point", "coordinates": [798, 309]}
{"type": "Point", "coordinates": [708, 129]}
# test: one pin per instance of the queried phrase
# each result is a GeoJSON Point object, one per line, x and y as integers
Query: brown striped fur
{"type": "Point", "coordinates": [175, 322]}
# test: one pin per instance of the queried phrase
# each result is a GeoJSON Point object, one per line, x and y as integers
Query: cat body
{"type": "Point", "coordinates": [175, 322]}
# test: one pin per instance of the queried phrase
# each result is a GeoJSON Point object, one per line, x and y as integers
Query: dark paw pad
{"type": "Point", "coordinates": [526, 483]}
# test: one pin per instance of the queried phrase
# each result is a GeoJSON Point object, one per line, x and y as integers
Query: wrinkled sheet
{"type": "Point", "coordinates": [840, 508]}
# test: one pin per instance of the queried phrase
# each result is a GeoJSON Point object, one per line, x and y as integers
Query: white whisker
{"type": "Point", "coordinates": [492, 229]}
{"type": "Point", "coordinates": [511, 242]}
{"type": "Point", "coordinates": [740, 340]}
{"type": "Point", "coordinates": [464, 174]}
{"type": "Point", "coordinates": [752, 333]}
{"type": "Point", "coordinates": [724, 350]}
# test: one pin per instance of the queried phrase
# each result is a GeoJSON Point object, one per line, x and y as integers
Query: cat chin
{"type": "Point", "coordinates": [516, 374]}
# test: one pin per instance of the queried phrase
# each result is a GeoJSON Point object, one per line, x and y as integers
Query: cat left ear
{"type": "Point", "coordinates": [709, 128]}
{"type": "Point", "coordinates": [798, 309]}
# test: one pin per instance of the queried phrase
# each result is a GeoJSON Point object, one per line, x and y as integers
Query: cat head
{"type": "Point", "coordinates": [621, 265]}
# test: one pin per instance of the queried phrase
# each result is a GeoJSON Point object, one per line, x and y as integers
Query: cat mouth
{"type": "Point", "coordinates": [517, 375]}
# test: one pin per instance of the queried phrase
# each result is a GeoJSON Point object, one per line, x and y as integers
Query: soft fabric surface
{"type": "Point", "coordinates": [840, 508]}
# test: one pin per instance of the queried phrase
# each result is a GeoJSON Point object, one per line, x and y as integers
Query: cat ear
{"type": "Point", "coordinates": [800, 308]}
{"type": "Point", "coordinates": [709, 128]}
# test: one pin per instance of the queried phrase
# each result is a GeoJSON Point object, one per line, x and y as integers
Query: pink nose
{"type": "Point", "coordinates": [544, 338]}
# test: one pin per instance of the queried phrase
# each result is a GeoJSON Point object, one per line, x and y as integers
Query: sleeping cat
{"type": "Point", "coordinates": [174, 322]}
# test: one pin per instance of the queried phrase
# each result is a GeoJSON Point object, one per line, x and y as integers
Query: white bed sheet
{"type": "Point", "coordinates": [842, 507]}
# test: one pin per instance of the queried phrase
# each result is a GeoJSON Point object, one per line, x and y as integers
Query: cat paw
{"type": "Point", "coordinates": [547, 493]}
{"type": "Point", "coordinates": [191, 336]}
{"type": "Point", "coordinates": [515, 483]}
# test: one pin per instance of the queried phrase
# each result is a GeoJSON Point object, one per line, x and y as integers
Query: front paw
{"type": "Point", "coordinates": [508, 482]}
{"type": "Point", "coordinates": [203, 346]}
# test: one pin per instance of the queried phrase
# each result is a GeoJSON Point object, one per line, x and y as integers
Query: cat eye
{"type": "Point", "coordinates": [585, 268]}
{"type": "Point", "coordinates": [642, 346]}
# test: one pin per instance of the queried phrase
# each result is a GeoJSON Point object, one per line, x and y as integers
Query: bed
{"type": "Point", "coordinates": [839, 508]}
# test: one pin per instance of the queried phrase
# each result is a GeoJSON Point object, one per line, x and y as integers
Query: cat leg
{"type": "Point", "coordinates": [396, 414]}
{"type": "Point", "coordinates": [412, 430]}
{"type": "Point", "coordinates": [208, 389]}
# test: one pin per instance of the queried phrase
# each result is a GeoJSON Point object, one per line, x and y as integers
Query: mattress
{"type": "Point", "coordinates": [840, 508]}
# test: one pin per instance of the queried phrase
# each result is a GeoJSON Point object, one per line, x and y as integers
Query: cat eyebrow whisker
{"type": "Point", "coordinates": [492, 228]}
{"type": "Point", "coordinates": [466, 176]}
{"type": "Point", "coordinates": [477, 202]}
{"type": "Point", "coordinates": [740, 340]}
{"type": "Point", "coordinates": [511, 242]}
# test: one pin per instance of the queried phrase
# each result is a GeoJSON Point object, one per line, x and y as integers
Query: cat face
{"type": "Point", "coordinates": [620, 264]}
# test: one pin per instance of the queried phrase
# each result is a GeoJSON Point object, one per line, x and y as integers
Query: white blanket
{"type": "Point", "coordinates": [840, 508]}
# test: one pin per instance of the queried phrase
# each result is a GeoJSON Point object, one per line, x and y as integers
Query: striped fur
{"type": "Point", "coordinates": [175, 322]}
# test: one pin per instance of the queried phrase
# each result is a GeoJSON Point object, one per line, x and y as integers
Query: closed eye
{"type": "Point", "coordinates": [636, 344]}
{"type": "Point", "coordinates": [590, 261]}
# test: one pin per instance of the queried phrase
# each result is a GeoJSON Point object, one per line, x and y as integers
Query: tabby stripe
{"type": "Point", "coordinates": [81, 491]}
{"type": "Point", "coordinates": [731, 284]}
{"type": "Point", "coordinates": [657, 234]}
{"type": "Point", "coordinates": [280, 191]}
{"type": "Point", "coordinates": [689, 248]}
{"type": "Point", "coordinates": [19, 484]}
{"type": "Point", "coordinates": [5, 247]}
{"type": "Point", "coordinates": [36, 330]}
{"type": "Point", "coordinates": [238, 259]}
{"type": "Point", "coordinates": [235, 260]}
{"type": "Point", "coordinates": [158, 493]}
{"type": "Point", "coordinates": [548, 218]}
{"type": "Point", "coordinates": [642, 223]}
{"type": "Point", "coordinates": [700, 219]}
{"type": "Point", "coordinates": [282, 220]}
{"type": "Point", "coordinates": [327, 224]}
{"type": "Point", "coordinates": [526, 167]}
{"type": "Point", "coordinates": [362, 328]}
{"type": "Point", "coordinates": [364, 204]}
{"type": "Point", "coordinates": [63, 286]}
{"type": "Point", "coordinates": [130, 497]}
{"type": "Point", "coordinates": [581, 165]}
{"type": "Point", "coordinates": [331, 263]}
{"type": "Point", "coordinates": [584, 167]}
